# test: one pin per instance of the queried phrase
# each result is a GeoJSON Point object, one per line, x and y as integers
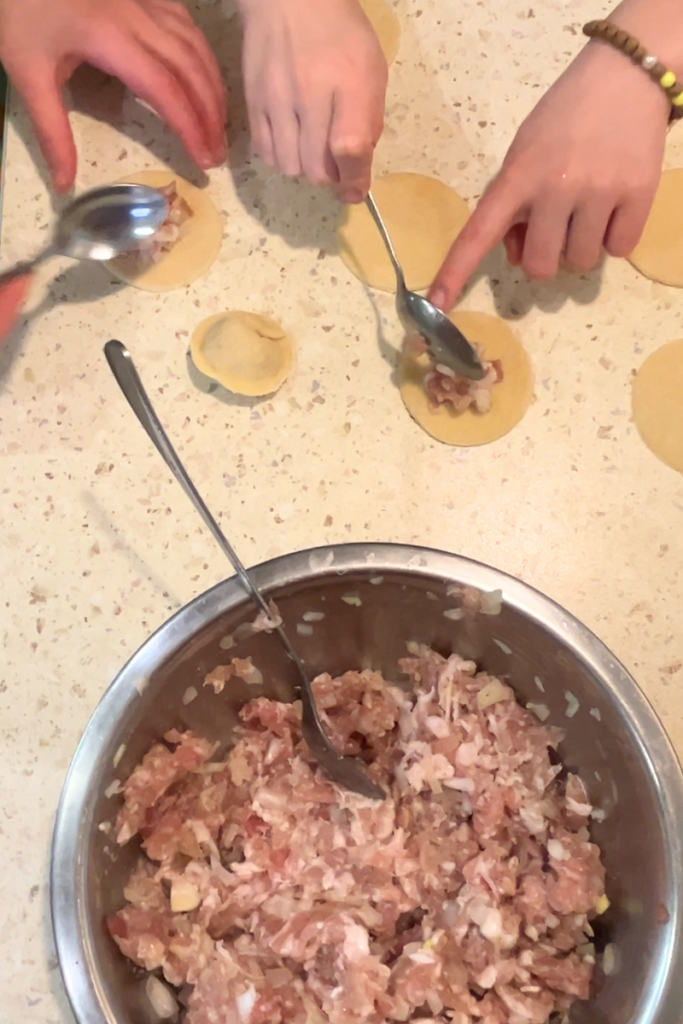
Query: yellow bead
{"type": "Point", "coordinates": [667, 80]}
{"type": "Point", "coordinates": [678, 100]}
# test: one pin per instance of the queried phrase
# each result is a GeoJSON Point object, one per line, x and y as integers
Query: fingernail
{"type": "Point", "coordinates": [352, 195]}
{"type": "Point", "coordinates": [438, 297]}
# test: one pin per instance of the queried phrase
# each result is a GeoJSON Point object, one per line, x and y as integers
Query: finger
{"type": "Point", "coordinates": [317, 162]}
{"type": "Point", "coordinates": [12, 296]}
{"type": "Point", "coordinates": [484, 230]}
{"type": "Point", "coordinates": [185, 27]}
{"type": "Point", "coordinates": [180, 55]}
{"type": "Point", "coordinates": [262, 142]}
{"type": "Point", "coordinates": [545, 238]}
{"type": "Point", "coordinates": [354, 132]}
{"type": "Point", "coordinates": [514, 244]}
{"type": "Point", "coordinates": [150, 80]}
{"type": "Point", "coordinates": [285, 130]}
{"type": "Point", "coordinates": [626, 225]}
{"type": "Point", "coordinates": [45, 107]}
{"type": "Point", "coordinates": [586, 234]}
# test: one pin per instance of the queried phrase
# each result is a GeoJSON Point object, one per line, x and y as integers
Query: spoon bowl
{"type": "Point", "coordinates": [101, 224]}
{"type": "Point", "coordinates": [447, 344]}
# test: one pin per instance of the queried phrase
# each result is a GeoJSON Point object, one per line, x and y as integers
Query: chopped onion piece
{"type": "Point", "coordinates": [491, 603]}
{"type": "Point", "coordinates": [189, 695]}
{"type": "Point", "coordinates": [595, 712]}
{"type": "Point", "coordinates": [352, 599]}
{"type": "Point", "coordinates": [609, 960]}
{"type": "Point", "coordinates": [118, 755]}
{"type": "Point", "coordinates": [539, 684]}
{"type": "Point", "coordinates": [227, 642]}
{"type": "Point", "coordinates": [184, 896]}
{"type": "Point", "coordinates": [454, 613]}
{"type": "Point", "coordinates": [541, 711]}
{"type": "Point", "coordinates": [557, 851]}
{"type": "Point", "coordinates": [504, 647]}
{"type": "Point", "coordinates": [113, 788]}
{"type": "Point", "coordinates": [572, 704]}
{"type": "Point", "coordinates": [376, 581]}
{"type": "Point", "coordinates": [303, 629]}
{"type": "Point", "coordinates": [492, 693]}
{"type": "Point", "coordinates": [163, 1001]}
{"type": "Point", "coordinates": [413, 647]}
{"type": "Point", "coordinates": [246, 1003]}
{"type": "Point", "coordinates": [313, 616]}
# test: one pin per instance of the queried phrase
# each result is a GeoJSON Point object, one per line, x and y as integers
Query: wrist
{"type": "Point", "coordinates": [625, 82]}
{"type": "Point", "coordinates": [658, 26]}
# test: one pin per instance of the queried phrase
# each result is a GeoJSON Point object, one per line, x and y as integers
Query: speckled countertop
{"type": "Point", "coordinates": [97, 544]}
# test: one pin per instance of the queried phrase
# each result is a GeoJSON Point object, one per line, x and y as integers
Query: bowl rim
{"type": "Point", "coordinates": [68, 871]}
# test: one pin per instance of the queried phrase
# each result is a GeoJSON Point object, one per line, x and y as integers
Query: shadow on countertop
{"type": "Point", "coordinates": [83, 283]}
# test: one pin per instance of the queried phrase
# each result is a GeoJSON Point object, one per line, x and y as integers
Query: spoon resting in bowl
{"type": "Point", "coordinates": [345, 771]}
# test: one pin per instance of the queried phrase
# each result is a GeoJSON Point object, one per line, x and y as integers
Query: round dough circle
{"type": "Point", "coordinates": [422, 216]}
{"type": "Point", "coordinates": [657, 405]}
{"type": "Point", "coordinates": [510, 398]}
{"type": "Point", "coordinates": [659, 253]}
{"type": "Point", "coordinates": [384, 20]}
{"type": "Point", "coordinates": [195, 251]}
{"type": "Point", "coordinates": [248, 353]}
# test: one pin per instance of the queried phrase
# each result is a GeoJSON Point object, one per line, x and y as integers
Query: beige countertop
{"type": "Point", "coordinates": [98, 545]}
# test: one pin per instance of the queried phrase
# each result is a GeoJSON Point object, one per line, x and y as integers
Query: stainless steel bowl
{"type": "Point", "coordinates": [614, 741]}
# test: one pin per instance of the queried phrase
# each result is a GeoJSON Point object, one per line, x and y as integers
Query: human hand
{"type": "Point", "coordinates": [314, 80]}
{"type": "Point", "coordinates": [153, 46]}
{"type": "Point", "coordinates": [580, 176]}
{"type": "Point", "coordinates": [12, 296]}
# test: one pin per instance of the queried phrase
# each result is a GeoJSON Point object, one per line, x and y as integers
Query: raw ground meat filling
{"type": "Point", "coordinates": [270, 895]}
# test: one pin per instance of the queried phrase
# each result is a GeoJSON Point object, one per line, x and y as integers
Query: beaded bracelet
{"type": "Point", "coordinates": [616, 37]}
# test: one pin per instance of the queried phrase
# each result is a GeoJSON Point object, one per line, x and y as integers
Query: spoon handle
{"type": "Point", "coordinates": [21, 269]}
{"type": "Point", "coordinates": [377, 217]}
{"type": "Point", "coordinates": [122, 366]}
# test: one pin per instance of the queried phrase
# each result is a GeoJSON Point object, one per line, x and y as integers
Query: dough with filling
{"type": "Point", "coordinates": [248, 353]}
{"type": "Point", "coordinates": [657, 402]}
{"type": "Point", "coordinates": [659, 253]}
{"type": "Point", "coordinates": [510, 397]}
{"type": "Point", "coordinates": [384, 20]}
{"type": "Point", "coordinates": [191, 256]}
{"type": "Point", "coordinates": [422, 216]}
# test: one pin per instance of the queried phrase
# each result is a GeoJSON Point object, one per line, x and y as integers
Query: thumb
{"type": "Point", "coordinates": [12, 295]}
{"type": "Point", "coordinates": [43, 100]}
{"type": "Point", "coordinates": [486, 227]}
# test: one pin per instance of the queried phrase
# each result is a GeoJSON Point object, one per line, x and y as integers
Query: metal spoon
{"type": "Point", "coordinates": [344, 770]}
{"type": "Point", "coordinates": [101, 224]}
{"type": "Point", "coordinates": [448, 345]}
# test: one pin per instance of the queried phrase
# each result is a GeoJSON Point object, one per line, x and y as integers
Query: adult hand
{"type": "Point", "coordinates": [315, 80]}
{"type": "Point", "coordinates": [580, 176]}
{"type": "Point", "coordinates": [153, 46]}
{"type": "Point", "coordinates": [12, 296]}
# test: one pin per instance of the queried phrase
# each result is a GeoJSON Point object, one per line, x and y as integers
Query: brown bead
{"type": "Point", "coordinates": [631, 45]}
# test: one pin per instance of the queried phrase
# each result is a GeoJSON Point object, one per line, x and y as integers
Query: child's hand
{"type": "Point", "coordinates": [153, 46]}
{"type": "Point", "coordinates": [580, 176]}
{"type": "Point", "coordinates": [315, 81]}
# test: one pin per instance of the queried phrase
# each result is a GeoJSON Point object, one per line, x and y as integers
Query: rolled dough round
{"type": "Point", "coordinates": [659, 253]}
{"type": "Point", "coordinates": [192, 255]}
{"type": "Point", "coordinates": [248, 353]}
{"type": "Point", "coordinates": [657, 403]}
{"type": "Point", "coordinates": [510, 398]}
{"type": "Point", "coordinates": [423, 217]}
{"type": "Point", "coordinates": [384, 20]}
